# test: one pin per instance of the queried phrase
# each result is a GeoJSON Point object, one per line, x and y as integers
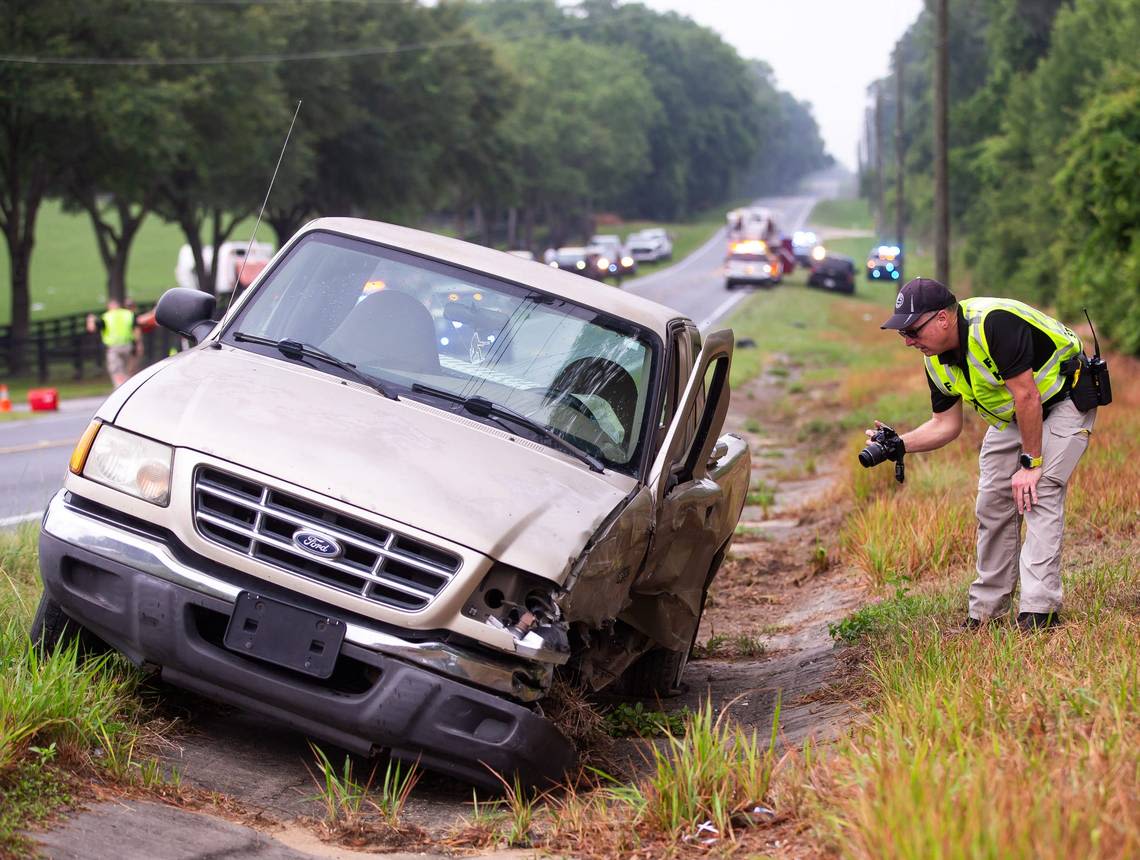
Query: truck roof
{"type": "Point", "coordinates": [582, 291]}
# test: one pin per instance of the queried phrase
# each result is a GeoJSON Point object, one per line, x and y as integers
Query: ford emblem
{"type": "Point", "coordinates": [317, 544]}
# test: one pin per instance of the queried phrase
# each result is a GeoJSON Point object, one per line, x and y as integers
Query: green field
{"type": "Point", "coordinates": [68, 277]}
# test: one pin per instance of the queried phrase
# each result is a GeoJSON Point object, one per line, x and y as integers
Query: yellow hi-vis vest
{"type": "Point", "coordinates": [118, 327]}
{"type": "Point", "coordinates": [983, 388]}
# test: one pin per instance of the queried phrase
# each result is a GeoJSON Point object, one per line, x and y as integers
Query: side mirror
{"type": "Point", "coordinates": [187, 312]}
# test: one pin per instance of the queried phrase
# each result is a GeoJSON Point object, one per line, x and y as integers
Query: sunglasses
{"type": "Point", "coordinates": [912, 333]}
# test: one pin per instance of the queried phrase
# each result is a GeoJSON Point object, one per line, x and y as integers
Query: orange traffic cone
{"type": "Point", "coordinates": [5, 400]}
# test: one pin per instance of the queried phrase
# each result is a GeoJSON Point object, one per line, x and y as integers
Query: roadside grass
{"type": "Point", "coordinates": [851, 213]}
{"type": "Point", "coordinates": [994, 743]}
{"type": "Point", "coordinates": [991, 743]}
{"type": "Point", "coordinates": [708, 783]}
{"type": "Point", "coordinates": [351, 804]}
{"type": "Point", "coordinates": [59, 713]}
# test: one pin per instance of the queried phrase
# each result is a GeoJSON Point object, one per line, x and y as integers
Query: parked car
{"type": "Point", "coordinates": [751, 262]}
{"type": "Point", "coordinates": [316, 514]}
{"type": "Point", "coordinates": [650, 245]}
{"type": "Point", "coordinates": [521, 253]}
{"type": "Point", "coordinates": [884, 263]}
{"type": "Point", "coordinates": [613, 260]}
{"type": "Point", "coordinates": [580, 261]}
{"type": "Point", "coordinates": [833, 272]}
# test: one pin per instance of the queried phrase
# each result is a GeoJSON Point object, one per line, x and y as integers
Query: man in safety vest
{"type": "Point", "coordinates": [120, 334]}
{"type": "Point", "coordinates": [1015, 366]}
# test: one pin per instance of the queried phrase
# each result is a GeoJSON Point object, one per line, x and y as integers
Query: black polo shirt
{"type": "Point", "coordinates": [1015, 346]}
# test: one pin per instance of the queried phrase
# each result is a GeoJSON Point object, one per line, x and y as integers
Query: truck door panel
{"type": "Point", "coordinates": [694, 512]}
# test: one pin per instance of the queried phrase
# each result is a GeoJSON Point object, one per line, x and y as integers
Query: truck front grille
{"type": "Point", "coordinates": [373, 562]}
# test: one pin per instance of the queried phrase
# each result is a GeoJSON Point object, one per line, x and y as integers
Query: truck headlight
{"type": "Point", "coordinates": [130, 463]}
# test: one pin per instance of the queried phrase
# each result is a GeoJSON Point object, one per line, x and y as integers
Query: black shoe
{"type": "Point", "coordinates": [1028, 622]}
{"type": "Point", "coordinates": [970, 623]}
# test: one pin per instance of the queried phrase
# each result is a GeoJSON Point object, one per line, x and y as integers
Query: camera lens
{"type": "Point", "coordinates": [872, 455]}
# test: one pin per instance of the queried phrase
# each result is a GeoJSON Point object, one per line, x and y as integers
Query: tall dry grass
{"type": "Point", "coordinates": [996, 743]}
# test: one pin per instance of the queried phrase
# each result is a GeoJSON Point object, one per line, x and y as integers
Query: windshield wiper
{"type": "Point", "coordinates": [296, 349]}
{"type": "Point", "coordinates": [496, 412]}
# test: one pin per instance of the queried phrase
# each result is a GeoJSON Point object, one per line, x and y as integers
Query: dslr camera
{"type": "Point", "coordinates": [885, 444]}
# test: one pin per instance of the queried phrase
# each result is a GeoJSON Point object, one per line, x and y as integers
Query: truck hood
{"type": "Point", "coordinates": [511, 499]}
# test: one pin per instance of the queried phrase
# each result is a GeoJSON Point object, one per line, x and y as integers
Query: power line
{"type": "Point", "coordinates": [277, 2]}
{"type": "Point", "coordinates": [331, 54]}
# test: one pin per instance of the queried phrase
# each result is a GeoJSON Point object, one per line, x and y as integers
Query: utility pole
{"type": "Point", "coordinates": [880, 207]}
{"type": "Point", "coordinates": [900, 152]}
{"type": "Point", "coordinates": [941, 129]}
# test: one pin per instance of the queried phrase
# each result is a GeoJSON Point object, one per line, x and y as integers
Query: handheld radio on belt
{"type": "Point", "coordinates": [1098, 370]}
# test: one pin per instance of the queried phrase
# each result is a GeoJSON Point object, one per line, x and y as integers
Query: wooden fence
{"type": "Point", "coordinates": [62, 348]}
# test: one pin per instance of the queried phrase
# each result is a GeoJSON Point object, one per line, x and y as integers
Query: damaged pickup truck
{"type": "Point", "coordinates": [402, 484]}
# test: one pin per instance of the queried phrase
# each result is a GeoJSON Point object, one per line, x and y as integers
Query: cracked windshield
{"type": "Point", "coordinates": [406, 320]}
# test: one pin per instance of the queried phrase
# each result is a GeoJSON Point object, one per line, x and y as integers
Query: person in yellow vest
{"type": "Point", "coordinates": [1015, 366]}
{"type": "Point", "coordinates": [121, 337]}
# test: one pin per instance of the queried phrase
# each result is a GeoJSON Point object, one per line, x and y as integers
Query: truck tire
{"type": "Point", "coordinates": [52, 630]}
{"type": "Point", "coordinates": [658, 672]}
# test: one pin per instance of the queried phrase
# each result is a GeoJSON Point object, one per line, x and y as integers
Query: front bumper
{"type": "Point", "coordinates": [136, 594]}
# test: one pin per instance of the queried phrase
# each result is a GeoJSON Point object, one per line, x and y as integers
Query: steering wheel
{"type": "Point", "coordinates": [572, 402]}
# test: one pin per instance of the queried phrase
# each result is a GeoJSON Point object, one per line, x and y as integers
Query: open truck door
{"type": "Point", "coordinates": [695, 520]}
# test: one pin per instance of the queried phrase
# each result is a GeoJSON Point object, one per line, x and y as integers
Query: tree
{"type": "Point", "coordinates": [40, 109]}
{"type": "Point", "coordinates": [390, 131]}
{"type": "Point", "coordinates": [578, 129]}
{"type": "Point", "coordinates": [228, 133]}
{"type": "Point", "coordinates": [124, 148]}
{"type": "Point", "coordinates": [1098, 192]}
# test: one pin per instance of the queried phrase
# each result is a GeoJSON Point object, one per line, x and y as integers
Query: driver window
{"type": "Point", "coordinates": [678, 356]}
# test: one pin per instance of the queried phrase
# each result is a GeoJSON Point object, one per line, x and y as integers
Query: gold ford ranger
{"type": "Point", "coordinates": [402, 483]}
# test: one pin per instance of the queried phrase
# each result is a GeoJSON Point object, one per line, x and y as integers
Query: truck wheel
{"type": "Point", "coordinates": [657, 674]}
{"type": "Point", "coordinates": [53, 630]}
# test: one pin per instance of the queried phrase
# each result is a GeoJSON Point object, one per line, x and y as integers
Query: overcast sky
{"type": "Point", "coordinates": [824, 52]}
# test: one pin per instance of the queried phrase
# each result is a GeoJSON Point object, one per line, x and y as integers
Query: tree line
{"type": "Point", "coordinates": [1044, 150]}
{"type": "Point", "coordinates": [515, 118]}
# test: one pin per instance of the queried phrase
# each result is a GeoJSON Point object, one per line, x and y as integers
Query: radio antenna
{"type": "Point", "coordinates": [1096, 342]}
{"type": "Point", "coordinates": [265, 202]}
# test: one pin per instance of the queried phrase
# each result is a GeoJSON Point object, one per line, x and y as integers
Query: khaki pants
{"type": "Point", "coordinates": [1002, 556]}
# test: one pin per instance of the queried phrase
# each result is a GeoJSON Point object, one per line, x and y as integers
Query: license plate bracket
{"type": "Point", "coordinates": [284, 635]}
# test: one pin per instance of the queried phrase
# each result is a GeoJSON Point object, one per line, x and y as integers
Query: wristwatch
{"type": "Point", "coordinates": [1028, 462]}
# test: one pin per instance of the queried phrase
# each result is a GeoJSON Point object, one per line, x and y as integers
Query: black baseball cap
{"type": "Point", "coordinates": [917, 297]}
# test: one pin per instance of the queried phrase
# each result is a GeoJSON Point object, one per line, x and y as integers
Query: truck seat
{"type": "Point", "coordinates": [387, 329]}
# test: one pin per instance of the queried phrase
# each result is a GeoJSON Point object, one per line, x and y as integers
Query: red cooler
{"type": "Point", "coordinates": [43, 399]}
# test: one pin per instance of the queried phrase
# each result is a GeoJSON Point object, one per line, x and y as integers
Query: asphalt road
{"type": "Point", "coordinates": [34, 452]}
{"type": "Point", "coordinates": [695, 285]}
{"type": "Point", "coordinates": [33, 458]}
